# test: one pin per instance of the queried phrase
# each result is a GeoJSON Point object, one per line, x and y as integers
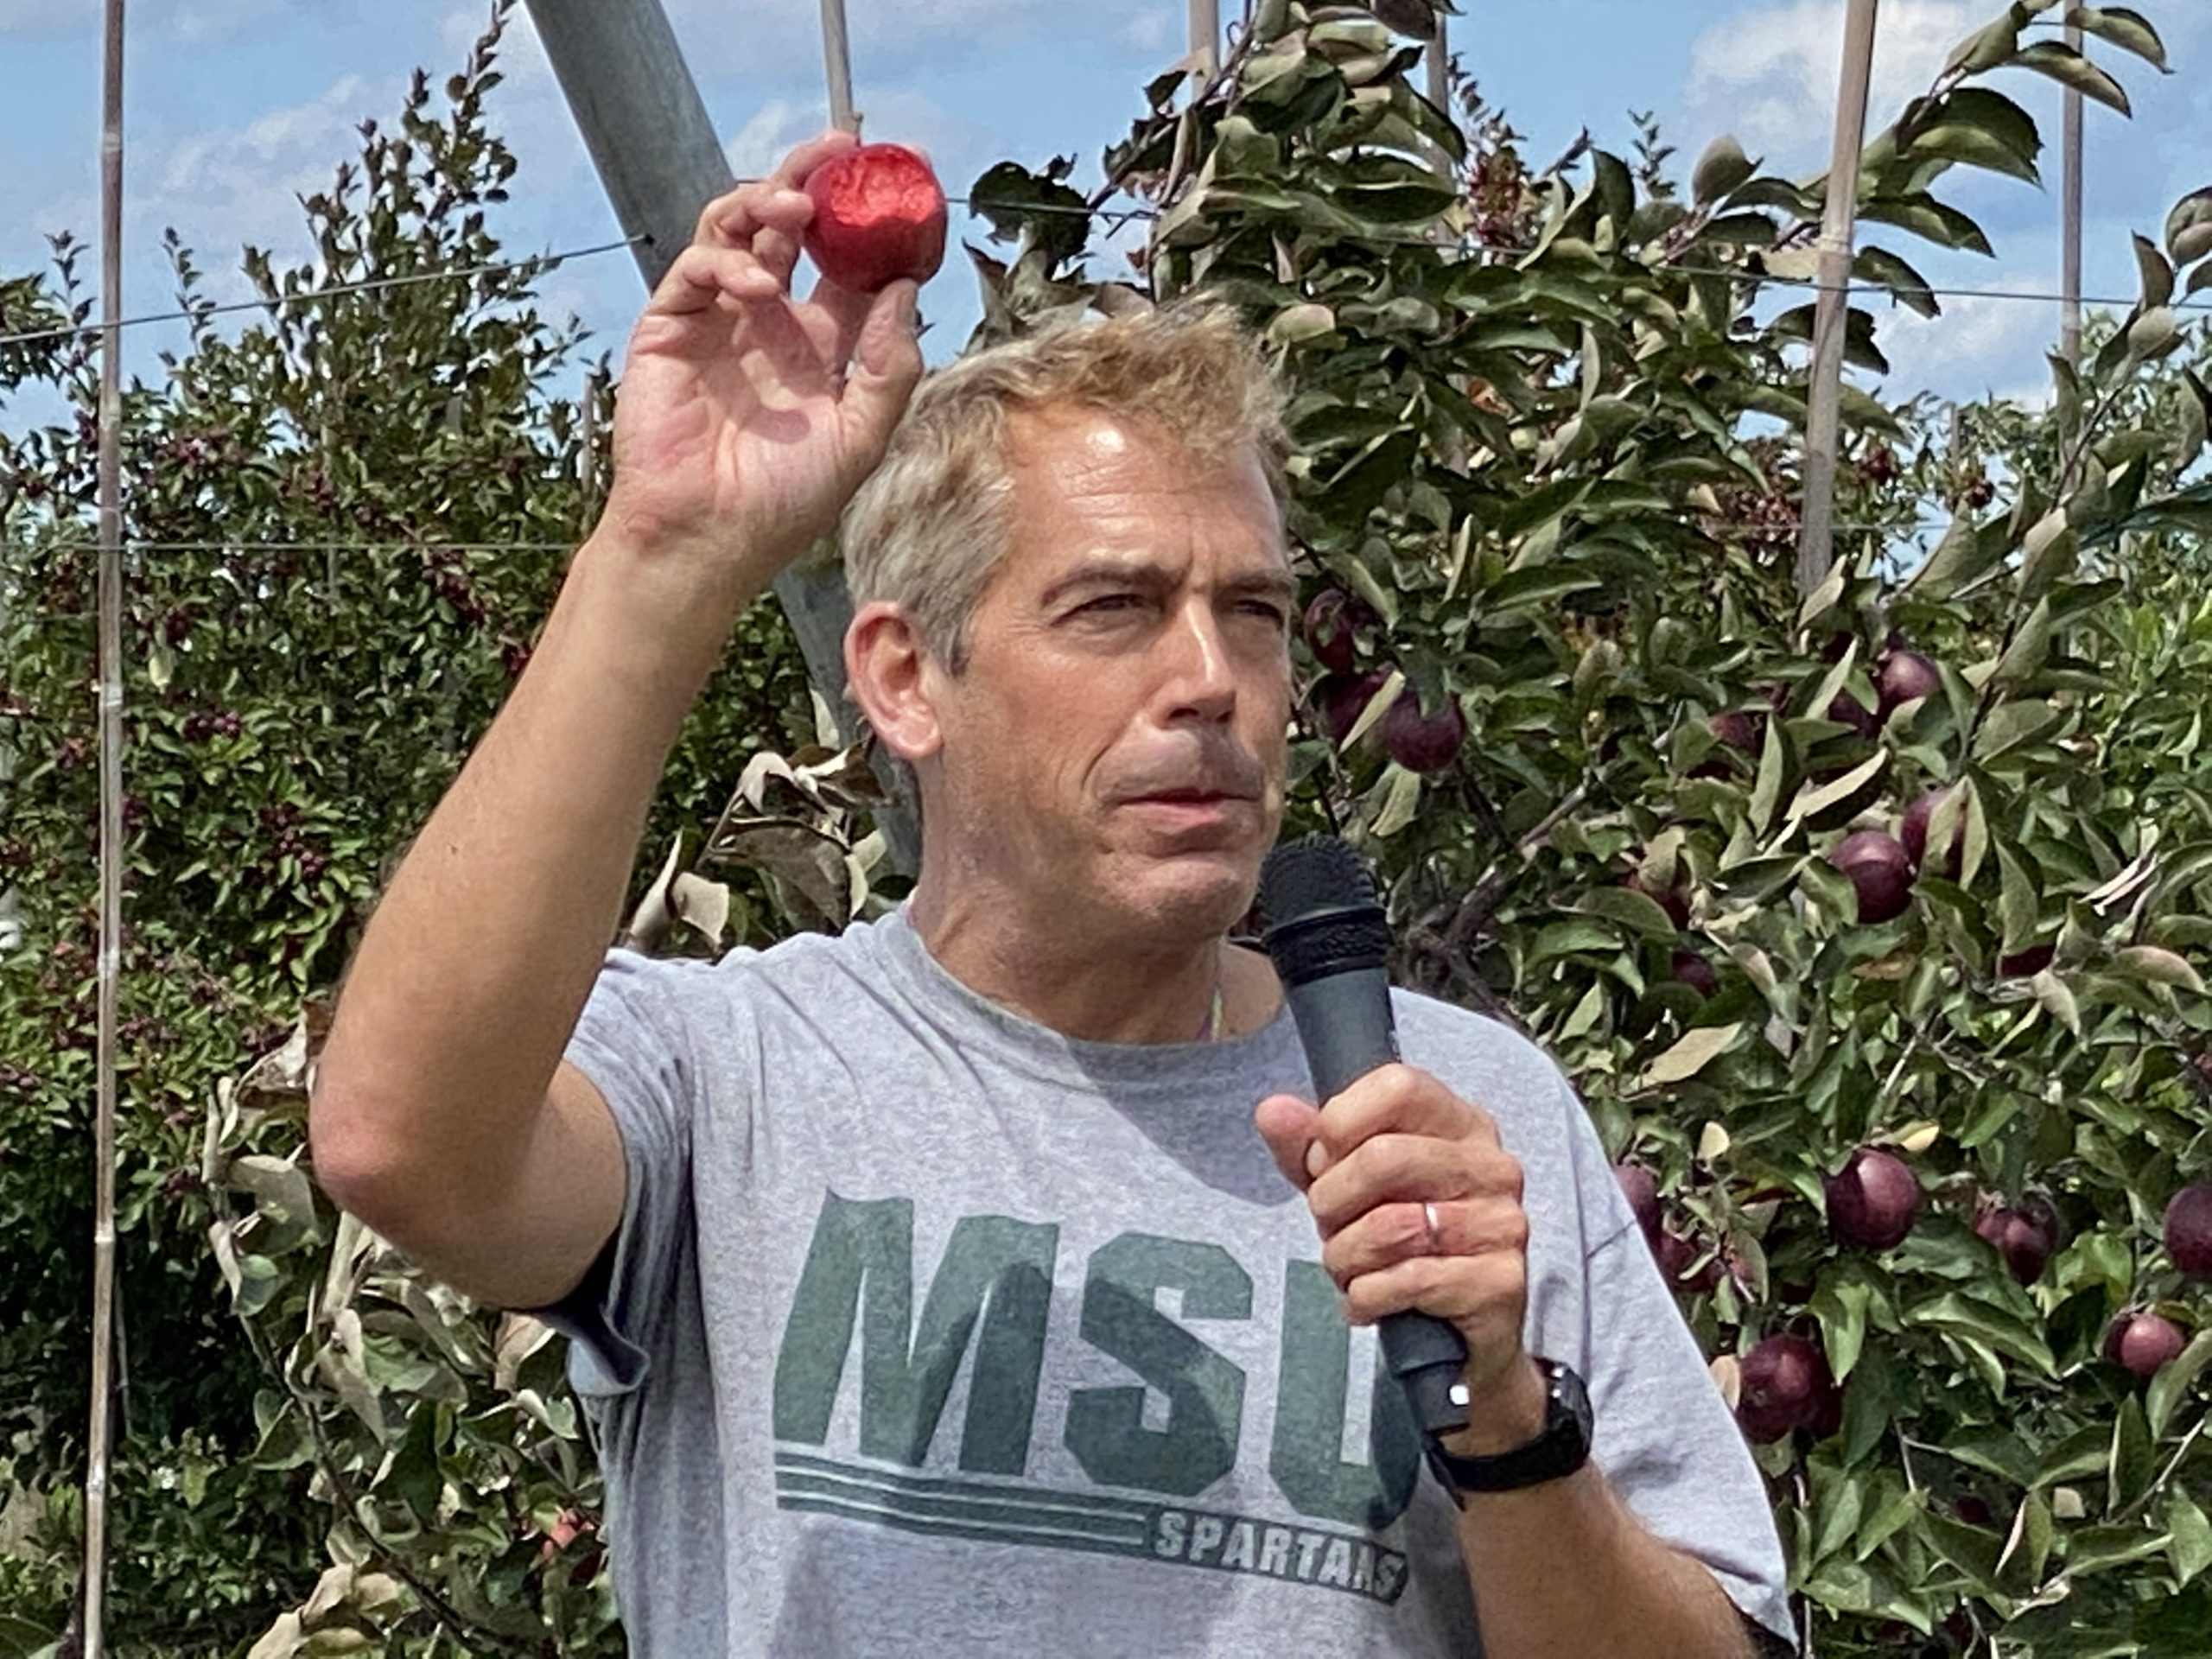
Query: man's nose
{"type": "Point", "coordinates": [1203, 679]}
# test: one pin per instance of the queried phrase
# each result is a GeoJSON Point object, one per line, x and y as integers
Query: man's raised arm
{"type": "Point", "coordinates": [442, 1114]}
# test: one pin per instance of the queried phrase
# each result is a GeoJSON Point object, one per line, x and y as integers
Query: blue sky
{"type": "Point", "coordinates": [237, 106]}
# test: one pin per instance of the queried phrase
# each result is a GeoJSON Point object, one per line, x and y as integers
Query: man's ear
{"type": "Point", "coordinates": [892, 676]}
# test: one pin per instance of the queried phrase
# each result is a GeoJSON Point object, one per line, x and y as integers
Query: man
{"type": "Point", "coordinates": [981, 1281]}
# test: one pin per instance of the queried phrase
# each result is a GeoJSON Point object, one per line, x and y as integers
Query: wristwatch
{"type": "Point", "coordinates": [1560, 1447]}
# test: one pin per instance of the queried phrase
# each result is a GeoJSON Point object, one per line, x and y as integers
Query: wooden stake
{"type": "Point", "coordinates": [99, 1455]}
{"type": "Point", "coordinates": [1205, 38]}
{"type": "Point", "coordinates": [2069, 255]}
{"type": "Point", "coordinates": [837, 59]}
{"type": "Point", "coordinates": [1832, 318]}
{"type": "Point", "coordinates": [1439, 84]}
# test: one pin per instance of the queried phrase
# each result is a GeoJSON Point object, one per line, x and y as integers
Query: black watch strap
{"type": "Point", "coordinates": [1561, 1448]}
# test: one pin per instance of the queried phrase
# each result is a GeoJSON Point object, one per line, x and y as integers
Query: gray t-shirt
{"type": "Point", "coordinates": [928, 1331]}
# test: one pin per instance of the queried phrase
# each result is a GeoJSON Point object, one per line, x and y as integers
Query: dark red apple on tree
{"type": "Point", "coordinates": [1423, 743]}
{"type": "Point", "coordinates": [2022, 964]}
{"type": "Point", "coordinates": [879, 216]}
{"type": "Point", "coordinates": [1641, 1188]}
{"type": "Point", "coordinates": [1912, 831]}
{"type": "Point", "coordinates": [1782, 1385]}
{"type": "Point", "coordinates": [1340, 699]}
{"type": "Point", "coordinates": [1741, 729]}
{"type": "Point", "coordinates": [1678, 1253]}
{"type": "Point", "coordinates": [2024, 1235]}
{"type": "Point", "coordinates": [1331, 626]}
{"type": "Point", "coordinates": [2143, 1343]}
{"type": "Point", "coordinates": [1691, 969]}
{"type": "Point", "coordinates": [1903, 676]}
{"type": "Point", "coordinates": [2189, 1230]}
{"type": "Point", "coordinates": [1846, 709]}
{"type": "Point", "coordinates": [1673, 900]}
{"type": "Point", "coordinates": [1880, 871]}
{"type": "Point", "coordinates": [1874, 1200]}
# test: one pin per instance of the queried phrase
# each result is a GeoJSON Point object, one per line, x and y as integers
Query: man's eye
{"type": "Point", "coordinates": [1110, 602]}
{"type": "Point", "coordinates": [1267, 608]}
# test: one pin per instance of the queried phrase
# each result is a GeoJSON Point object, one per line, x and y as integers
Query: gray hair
{"type": "Point", "coordinates": [931, 527]}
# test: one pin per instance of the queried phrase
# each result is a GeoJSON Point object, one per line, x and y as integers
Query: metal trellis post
{"type": "Point", "coordinates": [657, 154]}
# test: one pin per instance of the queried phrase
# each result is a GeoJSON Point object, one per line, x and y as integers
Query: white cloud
{"type": "Point", "coordinates": [1769, 74]}
{"type": "Point", "coordinates": [1982, 344]}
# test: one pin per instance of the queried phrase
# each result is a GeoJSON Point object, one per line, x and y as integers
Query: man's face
{"type": "Point", "coordinates": [1116, 743]}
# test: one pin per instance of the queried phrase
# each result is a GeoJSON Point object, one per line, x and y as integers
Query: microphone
{"type": "Point", "coordinates": [1325, 929]}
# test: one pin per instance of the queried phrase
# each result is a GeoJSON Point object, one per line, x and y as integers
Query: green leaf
{"type": "Point", "coordinates": [2071, 69]}
{"type": "Point", "coordinates": [1813, 799]}
{"type": "Point", "coordinates": [2153, 335]}
{"type": "Point", "coordinates": [2129, 30]}
{"type": "Point", "coordinates": [1966, 552]}
{"type": "Point", "coordinates": [1880, 266]}
{"type": "Point", "coordinates": [1987, 47]}
{"type": "Point", "coordinates": [1637, 912]}
{"type": "Point", "coordinates": [2158, 275]}
{"type": "Point", "coordinates": [2173, 1383]}
{"type": "Point", "coordinates": [1976, 146]}
{"type": "Point", "coordinates": [2190, 1535]}
{"type": "Point", "coordinates": [1841, 1306]}
{"type": "Point", "coordinates": [1720, 170]}
{"type": "Point", "coordinates": [413, 1476]}
{"type": "Point", "coordinates": [2133, 1459]}
{"type": "Point", "coordinates": [2025, 657]}
{"type": "Point", "coordinates": [2157, 966]}
{"type": "Point", "coordinates": [1690, 1055]}
{"type": "Point", "coordinates": [2058, 1000]}
{"type": "Point", "coordinates": [1766, 788]}
{"type": "Point", "coordinates": [1961, 1315]}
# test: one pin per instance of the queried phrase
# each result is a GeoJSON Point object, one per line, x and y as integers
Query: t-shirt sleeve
{"type": "Point", "coordinates": [1663, 1435]}
{"type": "Point", "coordinates": [634, 1043]}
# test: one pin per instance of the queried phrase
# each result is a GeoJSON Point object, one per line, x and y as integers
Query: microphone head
{"type": "Point", "coordinates": [1319, 910]}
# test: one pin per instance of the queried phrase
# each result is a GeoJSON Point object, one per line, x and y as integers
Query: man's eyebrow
{"type": "Point", "coordinates": [1106, 570]}
{"type": "Point", "coordinates": [1101, 569]}
{"type": "Point", "coordinates": [1270, 584]}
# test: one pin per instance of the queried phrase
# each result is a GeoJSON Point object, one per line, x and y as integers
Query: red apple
{"type": "Point", "coordinates": [2189, 1230]}
{"type": "Point", "coordinates": [1874, 1200]}
{"type": "Point", "coordinates": [1782, 1380]}
{"type": "Point", "coordinates": [879, 216]}
{"type": "Point", "coordinates": [1332, 627]}
{"type": "Point", "coordinates": [1972, 1509]}
{"type": "Point", "coordinates": [1694, 971]}
{"type": "Point", "coordinates": [2024, 1236]}
{"type": "Point", "coordinates": [1741, 729]}
{"type": "Point", "coordinates": [1903, 676]}
{"type": "Point", "coordinates": [1641, 1188]}
{"type": "Point", "coordinates": [1912, 831]}
{"type": "Point", "coordinates": [1881, 873]}
{"type": "Point", "coordinates": [1846, 709]}
{"type": "Point", "coordinates": [1673, 900]}
{"type": "Point", "coordinates": [1340, 699]}
{"type": "Point", "coordinates": [2022, 964]}
{"type": "Point", "coordinates": [2143, 1342]}
{"type": "Point", "coordinates": [1421, 742]}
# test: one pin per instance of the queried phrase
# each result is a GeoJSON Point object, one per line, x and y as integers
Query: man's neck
{"type": "Point", "coordinates": [1122, 992]}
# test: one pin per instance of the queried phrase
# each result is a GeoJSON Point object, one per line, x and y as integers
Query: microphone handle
{"type": "Point", "coordinates": [1345, 1024]}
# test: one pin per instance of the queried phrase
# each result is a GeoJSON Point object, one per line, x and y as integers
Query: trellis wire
{"type": "Point", "coordinates": [338, 290]}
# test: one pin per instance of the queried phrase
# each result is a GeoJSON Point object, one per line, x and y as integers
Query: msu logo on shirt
{"type": "Point", "coordinates": [989, 1306]}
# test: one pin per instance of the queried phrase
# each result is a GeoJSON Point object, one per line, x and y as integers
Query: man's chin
{"type": "Point", "coordinates": [1203, 893]}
